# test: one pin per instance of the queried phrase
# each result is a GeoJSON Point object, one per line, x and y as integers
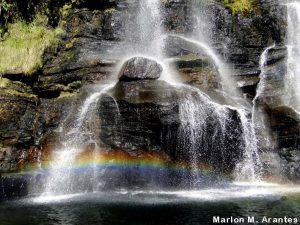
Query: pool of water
{"type": "Point", "coordinates": [157, 207]}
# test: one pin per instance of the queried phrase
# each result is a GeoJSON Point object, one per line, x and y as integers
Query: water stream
{"type": "Point", "coordinates": [144, 30]}
{"type": "Point", "coordinates": [60, 179]}
{"type": "Point", "coordinates": [292, 79]}
{"type": "Point", "coordinates": [258, 116]}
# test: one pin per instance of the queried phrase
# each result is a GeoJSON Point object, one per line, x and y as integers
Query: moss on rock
{"type": "Point", "coordinates": [237, 6]}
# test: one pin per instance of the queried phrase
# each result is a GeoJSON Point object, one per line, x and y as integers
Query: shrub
{"type": "Point", "coordinates": [239, 5]}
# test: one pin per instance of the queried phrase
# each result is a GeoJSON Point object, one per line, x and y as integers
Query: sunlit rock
{"type": "Point", "coordinates": [139, 68]}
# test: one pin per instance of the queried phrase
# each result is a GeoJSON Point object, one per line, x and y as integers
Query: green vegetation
{"type": "Point", "coordinates": [237, 6]}
{"type": "Point", "coordinates": [18, 93]}
{"type": "Point", "coordinates": [24, 44]}
{"type": "Point", "coordinates": [5, 10]}
{"type": "Point", "coordinates": [15, 88]}
{"type": "Point", "coordinates": [65, 94]}
{"type": "Point", "coordinates": [4, 82]}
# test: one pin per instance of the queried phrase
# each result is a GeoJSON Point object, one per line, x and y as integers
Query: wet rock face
{"type": "Point", "coordinates": [13, 187]}
{"type": "Point", "coordinates": [17, 121]}
{"type": "Point", "coordinates": [136, 113]}
{"type": "Point", "coordinates": [175, 14]}
{"type": "Point", "coordinates": [140, 68]}
{"type": "Point", "coordinates": [242, 37]}
{"type": "Point", "coordinates": [285, 122]}
{"type": "Point", "coordinates": [291, 163]}
{"type": "Point", "coordinates": [144, 115]}
{"type": "Point", "coordinates": [139, 108]}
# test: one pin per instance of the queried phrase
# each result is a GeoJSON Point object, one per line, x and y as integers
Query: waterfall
{"type": "Point", "coordinates": [61, 179]}
{"type": "Point", "coordinates": [258, 118]}
{"type": "Point", "coordinates": [249, 168]}
{"type": "Point", "coordinates": [146, 40]}
{"type": "Point", "coordinates": [263, 76]}
{"type": "Point", "coordinates": [194, 109]}
{"type": "Point", "coordinates": [226, 80]}
{"type": "Point", "coordinates": [292, 79]}
{"type": "Point", "coordinates": [150, 26]}
{"type": "Point", "coordinates": [202, 22]}
{"type": "Point", "coordinates": [210, 134]}
{"type": "Point", "coordinates": [205, 129]}
{"type": "Point", "coordinates": [144, 30]}
{"type": "Point", "coordinates": [193, 112]}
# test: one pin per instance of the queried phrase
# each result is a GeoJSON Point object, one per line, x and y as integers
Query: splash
{"type": "Point", "coordinates": [60, 179]}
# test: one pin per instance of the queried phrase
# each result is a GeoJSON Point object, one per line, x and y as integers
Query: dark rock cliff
{"type": "Point", "coordinates": [31, 109]}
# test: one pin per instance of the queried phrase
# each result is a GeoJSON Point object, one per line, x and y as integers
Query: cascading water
{"type": "Point", "coordinates": [292, 79]}
{"type": "Point", "coordinates": [249, 172]}
{"type": "Point", "coordinates": [258, 117]}
{"type": "Point", "coordinates": [249, 168]}
{"type": "Point", "coordinates": [202, 24]}
{"type": "Point", "coordinates": [226, 81]}
{"type": "Point", "coordinates": [262, 65]}
{"type": "Point", "coordinates": [205, 127]}
{"type": "Point", "coordinates": [146, 40]}
{"type": "Point", "coordinates": [144, 31]}
{"type": "Point", "coordinates": [61, 179]}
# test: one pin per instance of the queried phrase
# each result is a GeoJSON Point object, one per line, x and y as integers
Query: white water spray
{"type": "Point", "coordinates": [144, 30]}
{"type": "Point", "coordinates": [258, 118]}
{"type": "Point", "coordinates": [263, 76]}
{"type": "Point", "coordinates": [60, 180]}
{"type": "Point", "coordinates": [147, 41]}
{"type": "Point", "coordinates": [228, 85]}
{"type": "Point", "coordinates": [292, 79]}
{"type": "Point", "coordinates": [249, 168]}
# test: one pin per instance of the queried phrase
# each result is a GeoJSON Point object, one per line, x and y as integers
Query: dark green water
{"type": "Point", "coordinates": [143, 209]}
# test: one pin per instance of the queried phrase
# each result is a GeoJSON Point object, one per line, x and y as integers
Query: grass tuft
{"type": "Point", "coordinates": [23, 46]}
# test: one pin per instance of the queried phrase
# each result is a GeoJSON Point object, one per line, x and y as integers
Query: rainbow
{"type": "Point", "coordinates": [122, 160]}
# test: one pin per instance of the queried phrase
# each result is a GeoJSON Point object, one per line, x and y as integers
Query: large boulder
{"type": "Point", "coordinates": [140, 68]}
